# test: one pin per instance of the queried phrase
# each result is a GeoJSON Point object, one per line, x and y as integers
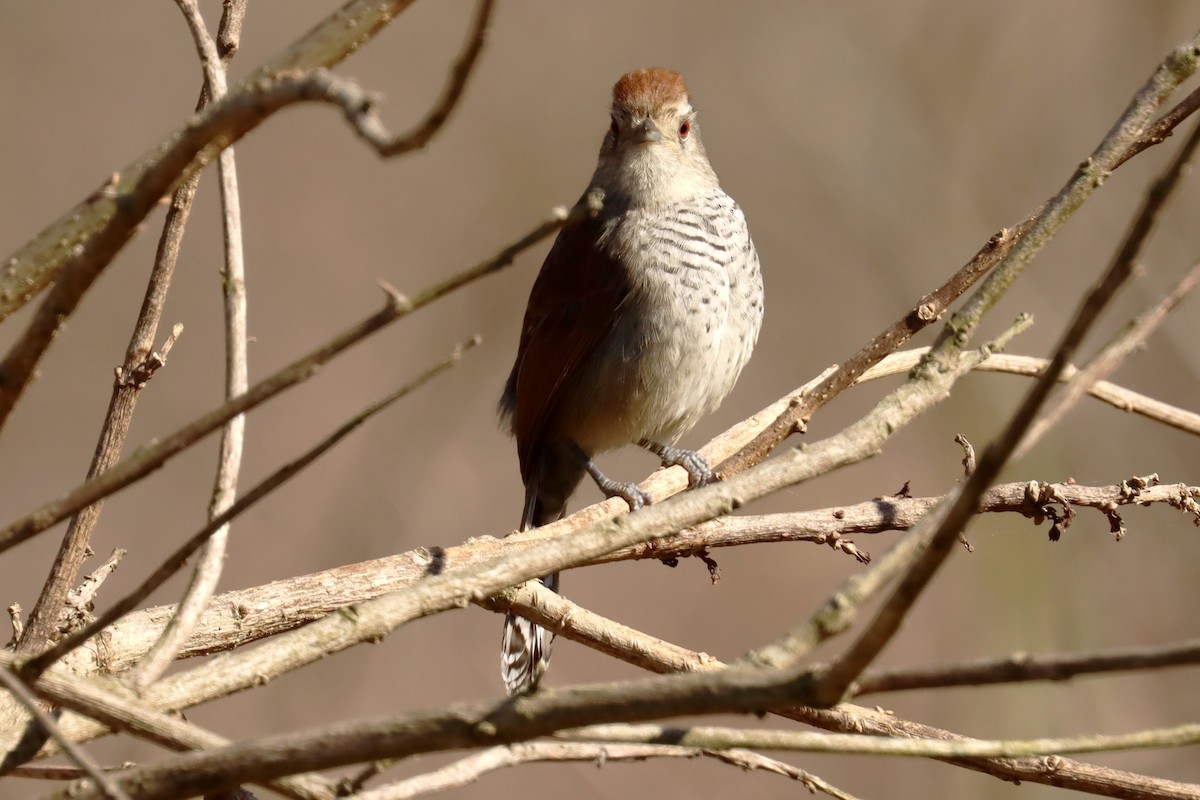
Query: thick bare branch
{"type": "Point", "coordinates": [176, 560]}
{"type": "Point", "coordinates": [104, 784]}
{"type": "Point", "coordinates": [240, 617]}
{"type": "Point", "coordinates": [634, 647]}
{"type": "Point", "coordinates": [106, 703]}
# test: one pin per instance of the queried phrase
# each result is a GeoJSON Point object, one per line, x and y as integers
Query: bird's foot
{"type": "Point", "coordinates": [630, 492]}
{"type": "Point", "coordinates": [698, 470]}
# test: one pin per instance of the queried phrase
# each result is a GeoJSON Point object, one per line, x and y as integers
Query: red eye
{"type": "Point", "coordinates": [685, 128]}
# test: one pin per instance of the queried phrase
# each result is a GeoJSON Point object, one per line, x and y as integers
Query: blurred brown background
{"type": "Point", "coordinates": [874, 148]}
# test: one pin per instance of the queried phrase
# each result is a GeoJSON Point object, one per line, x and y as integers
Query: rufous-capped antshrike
{"type": "Point", "coordinates": [638, 324]}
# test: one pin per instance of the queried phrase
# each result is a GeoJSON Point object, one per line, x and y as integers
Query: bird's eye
{"type": "Point", "coordinates": [614, 130]}
{"type": "Point", "coordinates": [685, 128]}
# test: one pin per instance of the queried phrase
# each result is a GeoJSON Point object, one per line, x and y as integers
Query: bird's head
{"type": "Point", "coordinates": [652, 150]}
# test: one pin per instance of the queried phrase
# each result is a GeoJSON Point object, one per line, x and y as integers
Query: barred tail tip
{"type": "Point", "coordinates": [524, 654]}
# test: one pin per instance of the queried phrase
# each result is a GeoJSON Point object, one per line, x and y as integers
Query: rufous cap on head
{"type": "Point", "coordinates": [648, 90]}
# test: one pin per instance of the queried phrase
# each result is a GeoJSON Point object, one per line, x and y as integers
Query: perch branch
{"type": "Point", "coordinates": [238, 618]}
{"type": "Point", "coordinates": [373, 619]}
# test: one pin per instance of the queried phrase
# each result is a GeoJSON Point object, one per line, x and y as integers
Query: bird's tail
{"type": "Point", "coordinates": [525, 647]}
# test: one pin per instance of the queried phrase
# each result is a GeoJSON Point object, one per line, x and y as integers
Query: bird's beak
{"type": "Point", "coordinates": [647, 132]}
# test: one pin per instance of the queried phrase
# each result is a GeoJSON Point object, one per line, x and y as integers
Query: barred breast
{"type": "Point", "coordinates": [692, 319]}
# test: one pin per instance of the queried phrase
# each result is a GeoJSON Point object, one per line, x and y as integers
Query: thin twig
{"type": "Point", "coordinates": [425, 130]}
{"type": "Point", "coordinates": [176, 560]}
{"type": "Point", "coordinates": [151, 457]}
{"type": "Point", "coordinates": [1113, 355]}
{"type": "Point", "coordinates": [102, 782]}
{"type": "Point", "coordinates": [140, 364]}
{"type": "Point", "coordinates": [468, 770]}
{"type": "Point", "coordinates": [796, 741]}
{"type": "Point", "coordinates": [1119, 397]}
{"type": "Point", "coordinates": [1024, 667]}
{"type": "Point", "coordinates": [207, 572]}
{"type": "Point", "coordinates": [79, 603]}
{"type": "Point", "coordinates": [938, 531]}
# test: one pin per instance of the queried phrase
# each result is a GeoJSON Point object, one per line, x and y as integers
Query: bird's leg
{"type": "Point", "coordinates": [698, 470]}
{"type": "Point", "coordinates": [627, 491]}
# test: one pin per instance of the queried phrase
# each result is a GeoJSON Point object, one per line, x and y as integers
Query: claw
{"type": "Point", "coordinates": [629, 492]}
{"type": "Point", "coordinates": [698, 470]}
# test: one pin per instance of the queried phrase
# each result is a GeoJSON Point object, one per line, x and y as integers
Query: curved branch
{"type": "Point", "coordinates": [31, 268]}
{"type": "Point", "coordinates": [96, 230]}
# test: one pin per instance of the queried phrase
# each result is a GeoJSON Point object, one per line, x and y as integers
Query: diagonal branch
{"type": "Point", "coordinates": [107, 703]}
{"type": "Point", "coordinates": [151, 457]}
{"type": "Point", "coordinates": [936, 534]}
{"type": "Point", "coordinates": [31, 268]}
{"type": "Point", "coordinates": [1011, 245]}
{"type": "Point", "coordinates": [35, 666]}
{"type": "Point", "coordinates": [441, 591]}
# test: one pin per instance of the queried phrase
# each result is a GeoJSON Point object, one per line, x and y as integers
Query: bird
{"type": "Point", "coordinates": [638, 324]}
